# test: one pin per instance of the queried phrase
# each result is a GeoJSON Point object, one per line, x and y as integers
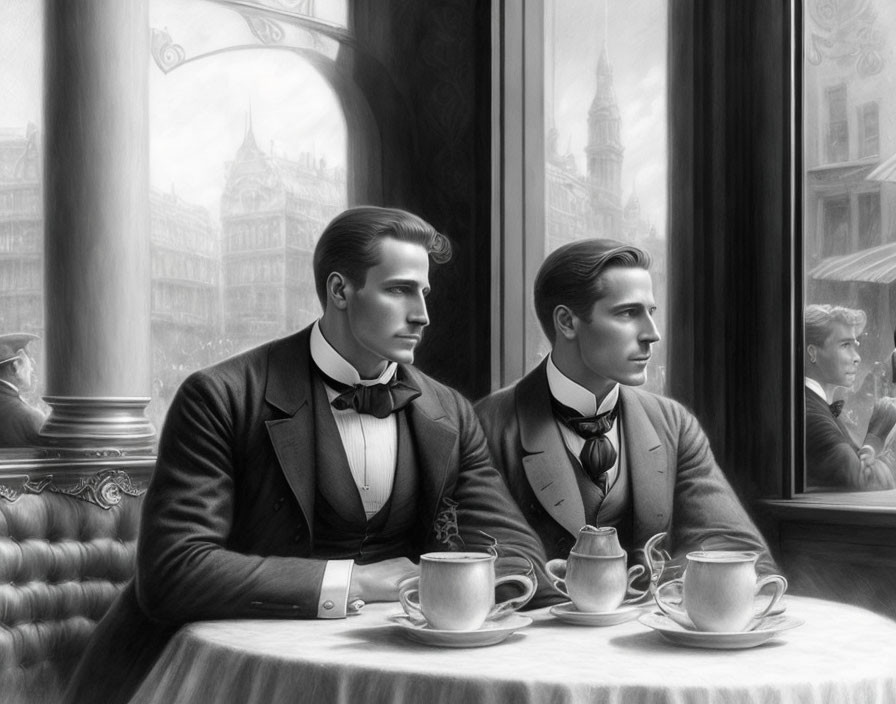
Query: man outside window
{"type": "Point", "coordinates": [303, 478]}
{"type": "Point", "coordinates": [579, 444]}
{"type": "Point", "coordinates": [20, 423]}
{"type": "Point", "coordinates": [833, 459]}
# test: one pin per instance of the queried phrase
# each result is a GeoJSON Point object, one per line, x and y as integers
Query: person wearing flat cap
{"type": "Point", "coordinates": [19, 422]}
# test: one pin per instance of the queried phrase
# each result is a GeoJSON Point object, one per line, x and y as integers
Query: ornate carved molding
{"type": "Point", "coordinates": [104, 489]}
{"type": "Point", "coordinates": [844, 31]}
{"type": "Point", "coordinates": [8, 493]}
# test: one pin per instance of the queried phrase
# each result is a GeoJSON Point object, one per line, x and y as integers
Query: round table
{"type": "Point", "coordinates": [841, 654]}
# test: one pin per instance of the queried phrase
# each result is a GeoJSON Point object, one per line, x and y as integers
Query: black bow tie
{"type": "Point", "coordinates": [836, 407]}
{"type": "Point", "coordinates": [598, 455]}
{"type": "Point", "coordinates": [380, 400]}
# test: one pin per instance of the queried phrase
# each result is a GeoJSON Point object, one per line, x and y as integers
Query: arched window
{"type": "Point", "coordinates": [246, 135]}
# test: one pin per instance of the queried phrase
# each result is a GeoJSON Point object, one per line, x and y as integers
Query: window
{"type": "Point", "coordinates": [869, 130]}
{"type": "Point", "coordinates": [21, 205]}
{"type": "Point", "coordinates": [836, 225]}
{"type": "Point", "coordinates": [838, 129]}
{"type": "Point", "coordinates": [597, 167]}
{"type": "Point", "coordinates": [849, 240]}
{"type": "Point", "coordinates": [869, 220]}
{"type": "Point", "coordinates": [605, 119]}
{"type": "Point", "coordinates": [248, 155]}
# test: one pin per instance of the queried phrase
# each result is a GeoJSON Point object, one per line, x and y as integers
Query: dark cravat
{"type": "Point", "coordinates": [598, 455]}
{"type": "Point", "coordinates": [378, 400]}
{"type": "Point", "coordinates": [836, 407]}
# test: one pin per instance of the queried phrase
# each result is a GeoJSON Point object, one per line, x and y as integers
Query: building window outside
{"type": "Point", "coordinates": [838, 128]}
{"type": "Point", "coordinates": [605, 120]}
{"type": "Point", "coordinates": [869, 129]}
{"type": "Point", "coordinates": [836, 226]}
{"type": "Point", "coordinates": [849, 233]}
{"type": "Point", "coordinates": [869, 220]}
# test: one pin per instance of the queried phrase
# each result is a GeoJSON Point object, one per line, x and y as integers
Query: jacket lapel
{"type": "Point", "coordinates": [545, 459]}
{"type": "Point", "coordinates": [647, 466]}
{"type": "Point", "coordinates": [436, 443]}
{"type": "Point", "coordinates": [289, 390]}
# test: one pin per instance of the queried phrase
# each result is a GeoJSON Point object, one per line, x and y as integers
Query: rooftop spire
{"type": "Point", "coordinates": [249, 147]}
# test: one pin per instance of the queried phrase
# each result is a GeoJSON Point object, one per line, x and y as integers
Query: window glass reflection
{"type": "Point", "coordinates": [849, 234]}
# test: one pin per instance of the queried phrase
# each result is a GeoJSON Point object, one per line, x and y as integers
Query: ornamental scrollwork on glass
{"type": "Point", "coordinates": [844, 31]}
{"type": "Point", "coordinates": [265, 30]}
{"type": "Point", "coordinates": [165, 52]}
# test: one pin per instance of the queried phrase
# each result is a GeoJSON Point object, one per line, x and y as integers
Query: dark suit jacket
{"type": "Point", "coordinates": [228, 519]}
{"type": "Point", "coordinates": [832, 458]}
{"type": "Point", "coordinates": [677, 487]}
{"type": "Point", "coordinates": [19, 423]}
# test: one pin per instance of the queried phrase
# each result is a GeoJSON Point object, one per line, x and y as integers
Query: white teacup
{"type": "Point", "coordinates": [595, 582]}
{"type": "Point", "coordinates": [456, 591]}
{"type": "Point", "coordinates": [719, 591]}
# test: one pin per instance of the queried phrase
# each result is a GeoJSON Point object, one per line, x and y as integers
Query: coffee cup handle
{"type": "Point", "coordinates": [634, 572]}
{"type": "Point", "coordinates": [780, 587]}
{"type": "Point", "coordinates": [409, 596]}
{"type": "Point", "coordinates": [555, 568]}
{"type": "Point", "coordinates": [517, 602]}
{"type": "Point", "coordinates": [674, 612]}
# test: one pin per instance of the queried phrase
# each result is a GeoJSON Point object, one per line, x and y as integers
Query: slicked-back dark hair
{"type": "Point", "coordinates": [571, 276]}
{"type": "Point", "coordinates": [350, 244]}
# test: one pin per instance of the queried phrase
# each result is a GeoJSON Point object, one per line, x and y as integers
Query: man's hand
{"type": "Point", "coordinates": [379, 581]}
{"type": "Point", "coordinates": [867, 455]}
{"type": "Point", "coordinates": [882, 421]}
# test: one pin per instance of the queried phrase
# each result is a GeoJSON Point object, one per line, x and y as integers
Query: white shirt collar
{"type": "Point", "coordinates": [577, 397]}
{"type": "Point", "coordinates": [813, 385]}
{"type": "Point", "coordinates": [337, 367]}
{"type": "Point", "coordinates": [10, 385]}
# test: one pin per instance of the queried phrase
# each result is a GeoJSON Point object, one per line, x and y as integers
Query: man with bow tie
{"type": "Point", "coordinates": [305, 477]}
{"type": "Point", "coordinates": [578, 444]}
{"type": "Point", "coordinates": [833, 460]}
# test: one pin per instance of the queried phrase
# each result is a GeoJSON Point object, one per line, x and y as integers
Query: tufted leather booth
{"type": "Point", "coordinates": [65, 553]}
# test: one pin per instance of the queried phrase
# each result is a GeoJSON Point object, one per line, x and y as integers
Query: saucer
{"type": "Point", "coordinates": [490, 633]}
{"type": "Point", "coordinates": [568, 613]}
{"type": "Point", "coordinates": [767, 629]}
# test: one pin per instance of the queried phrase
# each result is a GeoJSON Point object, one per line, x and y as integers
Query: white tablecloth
{"type": "Point", "coordinates": [840, 655]}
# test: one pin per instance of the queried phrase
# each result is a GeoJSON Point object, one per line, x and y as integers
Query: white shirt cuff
{"type": "Point", "coordinates": [333, 601]}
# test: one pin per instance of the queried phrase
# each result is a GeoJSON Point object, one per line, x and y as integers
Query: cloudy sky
{"type": "Point", "coordinates": [20, 63]}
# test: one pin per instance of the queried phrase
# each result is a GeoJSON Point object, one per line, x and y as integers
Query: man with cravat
{"type": "Point", "coordinates": [303, 478]}
{"type": "Point", "coordinates": [833, 460]}
{"type": "Point", "coordinates": [578, 444]}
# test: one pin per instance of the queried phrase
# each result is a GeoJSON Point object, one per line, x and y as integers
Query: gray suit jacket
{"type": "Point", "coordinates": [677, 487]}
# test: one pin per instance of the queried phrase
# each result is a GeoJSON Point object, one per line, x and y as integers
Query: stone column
{"type": "Point", "coordinates": [96, 203]}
